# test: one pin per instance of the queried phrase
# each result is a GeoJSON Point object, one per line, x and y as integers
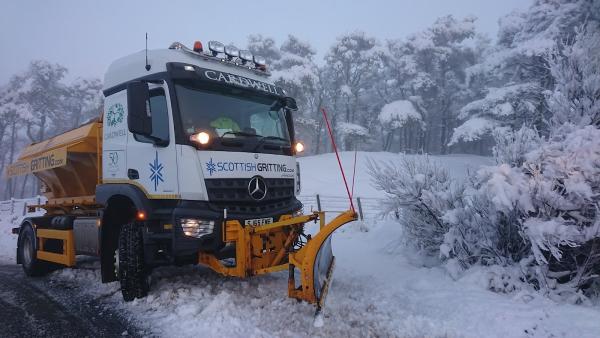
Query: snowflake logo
{"type": "Point", "coordinates": [211, 167]}
{"type": "Point", "coordinates": [156, 174]}
{"type": "Point", "coordinates": [115, 114]}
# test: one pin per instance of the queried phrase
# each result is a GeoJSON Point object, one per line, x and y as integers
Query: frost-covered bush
{"type": "Point", "coordinates": [485, 227]}
{"type": "Point", "coordinates": [423, 189]}
{"type": "Point", "coordinates": [543, 215]}
{"type": "Point", "coordinates": [511, 146]}
{"type": "Point", "coordinates": [564, 225]}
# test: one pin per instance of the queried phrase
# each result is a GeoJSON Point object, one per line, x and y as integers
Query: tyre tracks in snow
{"type": "Point", "coordinates": [36, 307]}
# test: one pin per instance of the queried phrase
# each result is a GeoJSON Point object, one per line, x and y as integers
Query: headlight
{"type": "Point", "coordinates": [197, 228]}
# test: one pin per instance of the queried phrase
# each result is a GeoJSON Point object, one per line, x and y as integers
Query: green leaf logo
{"type": "Point", "coordinates": [115, 114]}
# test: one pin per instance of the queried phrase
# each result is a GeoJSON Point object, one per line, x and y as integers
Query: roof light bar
{"type": "Point", "coordinates": [216, 47]}
{"type": "Point", "coordinates": [248, 60]}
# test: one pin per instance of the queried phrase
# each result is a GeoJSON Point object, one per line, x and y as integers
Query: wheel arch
{"type": "Point", "coordinates": [121, 201]}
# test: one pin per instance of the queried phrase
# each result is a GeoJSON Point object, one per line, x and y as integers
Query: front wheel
{"type": "Point", "coordinates": [131, 267]}
{"type": "Point", "coordinates": [27, 253]}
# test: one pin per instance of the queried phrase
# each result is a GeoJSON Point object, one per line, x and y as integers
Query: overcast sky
{"type": "Point", "coordinates": [86, 36]}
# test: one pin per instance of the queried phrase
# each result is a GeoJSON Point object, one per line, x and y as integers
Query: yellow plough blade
{"type": "Point", "coordinates": [270, 248]}
{"type": "Point", "coordinates": [315, 262]}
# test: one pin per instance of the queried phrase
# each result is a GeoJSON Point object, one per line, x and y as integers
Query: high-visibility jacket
{"type": "Point", "coordinates": [225, 123]}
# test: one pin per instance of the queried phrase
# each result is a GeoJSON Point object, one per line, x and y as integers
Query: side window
{"type": "Point", "coordinates": [160, 116]}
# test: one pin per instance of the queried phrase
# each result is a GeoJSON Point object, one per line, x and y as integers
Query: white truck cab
{"type": "Point", "coordinates": [194, 137]}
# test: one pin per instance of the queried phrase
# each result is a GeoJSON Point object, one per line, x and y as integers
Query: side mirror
{"type": "Point", "coordinates": [290, 103]}
{"type": "Point", "coordinates": [139, 117]}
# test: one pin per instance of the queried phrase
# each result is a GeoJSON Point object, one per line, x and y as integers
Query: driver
{"type": "Point", "coordinates": [224, 124]}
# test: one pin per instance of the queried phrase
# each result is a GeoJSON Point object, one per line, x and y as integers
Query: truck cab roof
{"type": "Point", "coordinates": [133, 66]}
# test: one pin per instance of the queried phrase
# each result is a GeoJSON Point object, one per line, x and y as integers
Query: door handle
{"type": "Point", "coordinates": [133, 174]}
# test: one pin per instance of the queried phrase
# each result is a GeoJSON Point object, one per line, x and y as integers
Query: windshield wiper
{"type": "Point", "coordinates": [265, 138]}
{"type": "Point", "coordinates": [239, 133]}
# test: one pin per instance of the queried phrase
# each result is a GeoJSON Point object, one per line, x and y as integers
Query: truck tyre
{"type": "Point", "coordinates": [28, 254]}
{"type": "Point", "coordinates": [132, 271]}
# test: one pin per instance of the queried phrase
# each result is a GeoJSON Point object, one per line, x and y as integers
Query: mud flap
{"type": "Point", "coordinates": [315, 262]}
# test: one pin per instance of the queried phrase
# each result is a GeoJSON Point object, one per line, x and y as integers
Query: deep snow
{"type": "Point", "coordinates": [379, 289]}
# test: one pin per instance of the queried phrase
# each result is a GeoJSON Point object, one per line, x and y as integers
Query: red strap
{"type": "Point", "coordinates": [338, 158]}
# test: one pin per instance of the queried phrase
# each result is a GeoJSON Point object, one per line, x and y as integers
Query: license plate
{"type": "Point", "coordinates": [259, 221]}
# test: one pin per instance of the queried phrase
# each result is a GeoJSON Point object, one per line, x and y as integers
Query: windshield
{"type": "Point", "coordinates": [231, 113]}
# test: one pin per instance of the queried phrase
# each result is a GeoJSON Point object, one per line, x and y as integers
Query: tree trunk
{"type": "Point", "coordinates": [22, 192]}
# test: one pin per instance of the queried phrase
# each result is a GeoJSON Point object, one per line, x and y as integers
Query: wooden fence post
{"type": "Point", "coordinates": [360, 211]}
{"type": "Point", "coordinates": [318, 202]}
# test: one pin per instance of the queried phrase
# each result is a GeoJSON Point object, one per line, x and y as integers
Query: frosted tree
{"type": "Point", "coordinates": [396, 115]}
{"type": "Point", "coordinates": [301, 77]}
{"type": "Point", "coordinates": [351, 65]}
{"type": "Point", "coordinates": [265, 47]}
{"type": "Point", "coordinates": [429, 68]}
{"type": "Point", "coordinates": [41, 92]}
{"type": "Point", "coordinates": [575, 99]}
{"type": "Point", "coordinates": [515, 71]}
{"type": "Point", "coordinates": [83, 100]}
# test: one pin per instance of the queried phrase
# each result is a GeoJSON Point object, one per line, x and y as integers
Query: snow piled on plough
{"type": "Point", "coordinates": [378, 290]}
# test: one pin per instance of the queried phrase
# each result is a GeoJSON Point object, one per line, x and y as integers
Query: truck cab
{"type": "Point", "coordinates": [192, 138]}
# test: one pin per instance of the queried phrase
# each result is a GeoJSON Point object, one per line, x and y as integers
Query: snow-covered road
{"type": "Point", "coordinates": [380, 289]}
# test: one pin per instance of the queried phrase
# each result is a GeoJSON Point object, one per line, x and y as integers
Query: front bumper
{"type": "Point", "coordinates": [163, 247]}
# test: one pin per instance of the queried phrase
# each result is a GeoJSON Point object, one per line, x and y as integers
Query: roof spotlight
{"type": "Point", "coordinates": [232, 52]}
{"type": "Point", "coordinates": [261, 62]}
{"type": "Point", "coordinates": [216, 47]}
{"type": "Point", "coordinates": [246, 56]}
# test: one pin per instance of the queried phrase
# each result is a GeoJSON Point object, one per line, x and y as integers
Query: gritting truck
{"type": "Point", "coordinates": [192, 162]}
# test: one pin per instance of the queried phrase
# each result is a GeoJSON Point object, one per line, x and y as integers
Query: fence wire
{"type": "Point", "coordinates": [370, 206]}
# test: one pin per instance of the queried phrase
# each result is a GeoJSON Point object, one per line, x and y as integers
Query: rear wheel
{"type": "Point", "coordinates": [28, 254]}
{"type": "Point", "coordinates": [131, 268]}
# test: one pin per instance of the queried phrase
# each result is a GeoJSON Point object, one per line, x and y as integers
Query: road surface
{"type": "Point", "coordinates": [31, 307]}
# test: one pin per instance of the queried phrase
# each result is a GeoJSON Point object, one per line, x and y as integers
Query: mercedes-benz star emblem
{"type": "Point", "coordinates": [257, 188]}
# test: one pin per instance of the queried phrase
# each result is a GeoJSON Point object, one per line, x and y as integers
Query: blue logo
{"type": "Point", "coordinates": [156, 175]}
{"type": "Point", "coordinates": [211, 167]}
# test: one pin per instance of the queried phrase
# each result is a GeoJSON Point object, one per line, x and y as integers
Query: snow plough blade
{"type": "Point", "coordinates": [277, 247]}
{"type": "Point", "coordinates": [315, 263]}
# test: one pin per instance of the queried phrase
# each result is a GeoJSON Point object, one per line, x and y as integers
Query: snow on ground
{"type": "Point", "coordinates": [320, 174]}
{"type": "Point", "coordinates": [11, 214]}
{"type": "Point", "coordinates": [379, 289]}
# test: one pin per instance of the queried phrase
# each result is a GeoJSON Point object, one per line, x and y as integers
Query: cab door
{"type": "Point", "coordinates": [151, 164]}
